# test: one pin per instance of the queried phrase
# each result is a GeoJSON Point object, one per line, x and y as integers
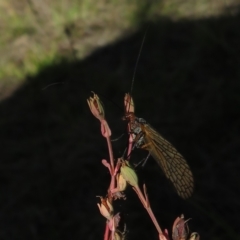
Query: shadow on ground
{"type": "Point", "coordinates": [187, 86]}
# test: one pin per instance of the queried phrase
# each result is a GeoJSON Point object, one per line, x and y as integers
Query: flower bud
{"type": "Point", "coordinates": [120, 235]}
{"type": "Point", "coordinates": [96, 106]}
{"type": "Point", "coordinates": [121, 183]}
{"type": "Point", "coordinates": [128, 103]}
{"type": "Point", "coordinates": [180, 229]}
{"type": "Point", "coordinates": [194, 236]}
{"type": "Point", "coordinates": [129, 174]}
{"type": "Point", "coordinates": [117, 236]}
{"type": "Point", "coordinates": [106, 208]}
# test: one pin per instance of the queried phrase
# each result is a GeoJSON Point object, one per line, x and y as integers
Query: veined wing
{"type": "Point", "coordinates": [170, 160]}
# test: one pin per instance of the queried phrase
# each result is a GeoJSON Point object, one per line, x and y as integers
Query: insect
{"type": "Point", "coordinates": [144, 136]}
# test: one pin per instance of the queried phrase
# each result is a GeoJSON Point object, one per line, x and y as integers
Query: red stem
{"type": "Point", "coordinates": [106, 234]}
{"type": "Point", "coordinates": [112, 183]}
{"type": "Point", "coordinates": [148, 208]}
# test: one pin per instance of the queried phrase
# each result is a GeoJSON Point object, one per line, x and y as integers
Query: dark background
{"type": "Point", "coordinates": [187, 86]}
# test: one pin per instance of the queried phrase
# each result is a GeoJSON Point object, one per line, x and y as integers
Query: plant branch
{"type": "Point", "coordinates": [146, 205]}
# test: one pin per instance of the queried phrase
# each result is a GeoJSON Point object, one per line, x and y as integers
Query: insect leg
{"type": "Point", "coordinates": [116, 139]}
{"type": "Point", "coordinates": [143, 161]}
{"type": "Point", "coordinates": [146, 146]}
{"type": "Point", "coordinates": [138, 140]}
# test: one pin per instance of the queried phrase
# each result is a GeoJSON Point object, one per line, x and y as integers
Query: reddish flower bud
{"type": "Point", "coordinates": [106, 208]}
{"type": "Point", "coordinates": [180, 229]}
{"type": "Point", "coordinates": [96, 106]}
{"type": "Point", "coordinates": [128, 103]}
{"type": "Point", "coordinates": [97, 110]}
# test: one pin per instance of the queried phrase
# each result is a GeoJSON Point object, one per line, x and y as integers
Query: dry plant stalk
{"type": "Point", "coordinates": [122, 174]}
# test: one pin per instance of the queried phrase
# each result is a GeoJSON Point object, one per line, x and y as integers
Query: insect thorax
{"type": "Point", "coordinates": [136, 131]}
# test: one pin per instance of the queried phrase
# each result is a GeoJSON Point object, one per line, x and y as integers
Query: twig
{"type": "Point", "coordinates": [147, 206]}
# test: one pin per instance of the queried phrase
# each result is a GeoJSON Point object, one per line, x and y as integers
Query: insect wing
{"type": "Point", "coordinates": [170, 160]}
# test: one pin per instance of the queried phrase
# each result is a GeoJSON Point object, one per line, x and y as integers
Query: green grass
{"type": "Point", "coordinates": [33, 33]}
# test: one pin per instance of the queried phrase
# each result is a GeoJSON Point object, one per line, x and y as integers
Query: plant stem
{"type": "Point", "coordinates": [112, 183]}
{"type": "Point", "coordinates": [106, 234]}
{"type": "Point", "coordinates": [148, 208]}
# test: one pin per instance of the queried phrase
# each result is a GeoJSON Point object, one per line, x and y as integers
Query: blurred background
{"type": "Point", "coordinates": [54, 53]}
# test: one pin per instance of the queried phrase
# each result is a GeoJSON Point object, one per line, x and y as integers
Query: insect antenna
{"type": "Point", "coordinates": [110, 100]}
{"type": "Point", "coordinates": [133, 79]}
{"type": "Point", "coordinates": [116, 139]}
{"type": "Point", "coordinates": [136, 64]}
